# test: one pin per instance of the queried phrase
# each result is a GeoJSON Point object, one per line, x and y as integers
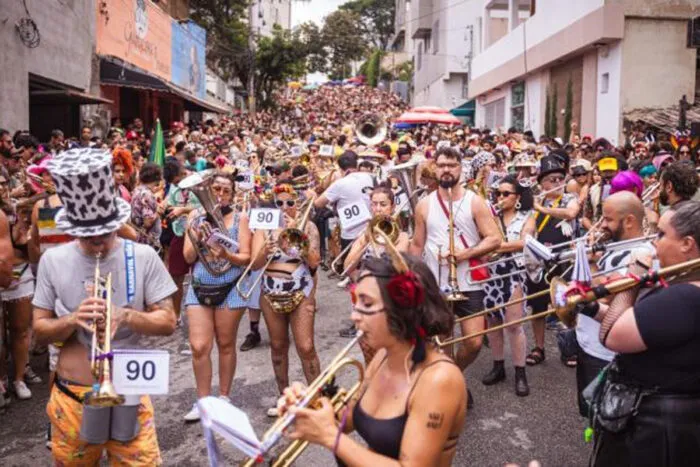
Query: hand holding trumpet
{"type": "Point", "coordinates": [316, 425]}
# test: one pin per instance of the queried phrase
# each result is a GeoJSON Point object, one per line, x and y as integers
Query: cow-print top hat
{"type": "Point", "coordinates": [84, 182]}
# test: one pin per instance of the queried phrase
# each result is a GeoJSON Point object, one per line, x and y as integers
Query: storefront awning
{"type": "Point", "coordinates": [116, 72]}
{"type": "Point", "coordinates": [465, 110]}
{"type": "Point", "coordinates": [65, 96]}
{"type": "Point", "coordinates": [196, 104]}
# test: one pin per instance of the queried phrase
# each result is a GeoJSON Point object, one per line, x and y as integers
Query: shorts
{"type": "Point", "coordinates": [177, 266]}
{"type": "Point", "coordinates": [473, 304]}
{"type": "Point", "coordinates": [69, 450]}
{"type": "Point", "coordinates": [21, 287]}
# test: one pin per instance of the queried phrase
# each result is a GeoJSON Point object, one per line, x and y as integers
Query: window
{"type": "Point", "coordinates": [604, 83]}
{"type": "Point", "coordinates": [436, 34]}
{"type": "Point", "coordinates": [517, 106]}
{"type": "Point", "coordinates": [419, 55]}
{"type": "Point", "coordinates": [495, 114]}
{"type": "Point", "coordinates": [426, 45]}
{"type": "Point", "coordinates": [465, 87]}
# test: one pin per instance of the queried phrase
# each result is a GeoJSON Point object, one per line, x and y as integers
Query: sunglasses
{"type": "Point", "coordinates": [290, 203]}
{"type": "Point", "coordinates": [554, 179]}
{"type": "Point", "coordinates": [684, 152]}
{"type": "Point", "coordinates": [504, 193]}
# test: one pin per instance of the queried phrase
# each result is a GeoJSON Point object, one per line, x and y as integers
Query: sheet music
{"type": "Point", "coordinates": [231, 423]}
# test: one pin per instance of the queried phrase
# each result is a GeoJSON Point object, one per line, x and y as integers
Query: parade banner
{"type": "Point", "coordinates": [137, 31]}
{"type": "Point", "coordinates": [188, 54]}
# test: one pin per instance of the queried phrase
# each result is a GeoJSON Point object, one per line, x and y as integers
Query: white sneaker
{"type": "Point", "coordinates": [272, 412]}
{"type": "Point", "coordinates": [22, 391]}
{"type": "Point", "coordinates": [344, 283]}
{"type": "Point", "coordinates": [193, 415]}
{"type": "Point", "coordinates": [225, 398]}
{"type": "Point", "coordinates": [30, 375]}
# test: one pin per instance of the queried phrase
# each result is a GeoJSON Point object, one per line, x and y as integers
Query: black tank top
{"type": "Point", "coordinates": [383, 435]}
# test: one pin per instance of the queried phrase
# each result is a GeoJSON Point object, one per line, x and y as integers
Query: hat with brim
{"type": "Point", "coordinates": [85, 184]}
{"type": "Point", "coordinates": [550, 165]}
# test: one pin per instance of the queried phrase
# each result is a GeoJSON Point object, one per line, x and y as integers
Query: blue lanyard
{"type": "Point", "coordinates": [130, 263]}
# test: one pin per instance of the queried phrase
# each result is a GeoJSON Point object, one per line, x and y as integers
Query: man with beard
{"type": "Point", "coordinates": [622, 218]}
{"type": "Point", "coordinates": [475, 235]}
{"type": "Point", "coordinates": [679, 182]}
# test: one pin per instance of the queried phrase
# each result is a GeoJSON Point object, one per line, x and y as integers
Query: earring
{"type": "Point", "coordinates": [518, 205]}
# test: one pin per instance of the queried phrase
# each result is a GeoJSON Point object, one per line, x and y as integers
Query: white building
{"type": "Point", "coordinates": [617, 56]}
{"type": "Point", "coordinates": [267, 13]}
{"type": "Point", "coordinates": [444, 41]}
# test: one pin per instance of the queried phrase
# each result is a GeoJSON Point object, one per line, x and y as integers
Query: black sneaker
{"type": "Point", "coordinates": [251, 341]}
{"type": "Point", "coordinates": [348, 332]}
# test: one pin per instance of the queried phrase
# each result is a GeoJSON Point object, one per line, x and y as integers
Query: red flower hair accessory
{"type": "Point", "coordinates": [406, 290]}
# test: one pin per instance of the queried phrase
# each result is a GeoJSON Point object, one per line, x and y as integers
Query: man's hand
{"type": "Point", "coordinates": [90, 310]}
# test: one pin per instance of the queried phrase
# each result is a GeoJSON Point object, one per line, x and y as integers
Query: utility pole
{"type": "Point", "coordinates": [251, 60]}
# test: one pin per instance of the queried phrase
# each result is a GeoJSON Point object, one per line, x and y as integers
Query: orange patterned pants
{"type": "Point", "coordinates": [69, 450]}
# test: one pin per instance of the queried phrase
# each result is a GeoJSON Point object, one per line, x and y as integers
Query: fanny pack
{"type": "Point", "coordinates": [614, 403]}
{"type": "Point", "coordinates": [212, 295]}
{"type": "Point", "coordinates": [284, 303]}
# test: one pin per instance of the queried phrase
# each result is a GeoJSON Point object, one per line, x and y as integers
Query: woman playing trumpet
{"type": "Point", "coordinates": [517, 223]}
{"type": "Point", "coordinates": [412, 403]}
{"type": "Point", "coordinates": [382, 203]}
{"type": "Point", "coordinates": [215, 322]}
{"type": "Point", "coordinates": [288, 293]}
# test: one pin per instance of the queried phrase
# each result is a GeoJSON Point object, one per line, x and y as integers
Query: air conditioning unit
{"type": "Point", "coordinates": [694, 33]}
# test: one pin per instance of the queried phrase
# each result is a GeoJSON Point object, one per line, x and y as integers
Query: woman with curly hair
{"type": "Point", "coordinates": [122, 168]}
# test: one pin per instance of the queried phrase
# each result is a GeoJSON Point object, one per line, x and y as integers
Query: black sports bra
{"type": "Point", "coordinates": [384, 435]}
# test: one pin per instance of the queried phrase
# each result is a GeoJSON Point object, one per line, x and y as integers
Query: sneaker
{"type": "Point", "coordinates": [225, 398]}
{"type": "Point", "coordinates": [348, 332]}
{"type": "Point", "coordinates": [272, 412]}
{"type": "Point", "coordinates": [344, 283]}
{"type": "Point", "coordinates": [186, 349]}
{"type": "Point", "coordinates": [30, 376]}
{"type": "Point", "coordinates": [251, 341]}
{"type": "Point", "coordinates": [22, 391]}
{"type": "Point", "coordinates": [193, 414]}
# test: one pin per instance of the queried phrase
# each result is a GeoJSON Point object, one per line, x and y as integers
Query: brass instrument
{"type": "Point", "coordinates": [292, 241]}
{"type": "Point", "coordinates": [103, 393]}
{"type": "Point", "coordinates": [371, 130]}
{"type": "Point", "coordinates": [406, 176]}
{"type": "Point", "coordinates": [200, 185]}
{"type": "Point", "coordinates": [453, 294]}
{"type": "Point", "coordinates": [386, 224]}
{"type": "Point", "coordinates": [323, 386]}
{"type": "Point", "coordinates": [564, 305]}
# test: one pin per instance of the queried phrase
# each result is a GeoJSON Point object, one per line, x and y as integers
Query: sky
{"type": "Point", "coordinates": [314, 10]}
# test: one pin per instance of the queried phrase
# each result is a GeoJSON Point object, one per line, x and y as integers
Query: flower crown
{"type": "Point", "coordinates": [284, 188]}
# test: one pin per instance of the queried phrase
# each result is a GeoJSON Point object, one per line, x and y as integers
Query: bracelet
{"type": "Point", "coordinates": [340, 430]}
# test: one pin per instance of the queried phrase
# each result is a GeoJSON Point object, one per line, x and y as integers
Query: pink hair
{"type": "Point", "coordinates": [627, 180]}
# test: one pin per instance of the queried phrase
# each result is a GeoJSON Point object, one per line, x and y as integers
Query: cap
{"type": "Point", "coordinates": [607, 163]}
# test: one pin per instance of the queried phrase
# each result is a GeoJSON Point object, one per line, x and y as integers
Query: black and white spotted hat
{"type": "Point", "coordinates": [84, 182]}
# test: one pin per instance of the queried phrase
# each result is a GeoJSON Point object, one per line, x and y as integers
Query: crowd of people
{"type": "Point", "coordinates": [427, 226]}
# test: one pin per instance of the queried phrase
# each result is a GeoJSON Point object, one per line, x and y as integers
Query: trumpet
{"type": "Point", "coordinates": [103, 394]}
{"type": "Point", "coordinates": [292, 241]}
{"type": "Point", "coordinates": [386, 224]}
{"type": "Point", "coordinates": [323, 386]}
{"type": "Point", "coordinates": [564, 305]}
{"type": "Point", "coordinates": [453, 294]}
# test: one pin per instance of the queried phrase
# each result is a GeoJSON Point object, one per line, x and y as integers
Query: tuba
{"type": "Point", "coordinates": [200, 185]}
{"type": "Point", "coordinates": [406, 176]}
{"type": "Point", "coordinates": [371, 130]}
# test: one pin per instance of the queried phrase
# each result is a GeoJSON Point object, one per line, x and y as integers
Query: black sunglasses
{"type": "Point", "coordinates": [504, 193]}
{"type": "Point", "coordinates": [290, 203]}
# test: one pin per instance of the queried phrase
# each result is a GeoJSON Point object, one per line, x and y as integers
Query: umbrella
{"type": "Point", "coordinates": [438, 118]}
{"type": "Point", "coordinates": [294, 84]}
{"type": "Point", "coordinates": [310, 87]}
{"type": "Point", "coordinates": [429, 110]}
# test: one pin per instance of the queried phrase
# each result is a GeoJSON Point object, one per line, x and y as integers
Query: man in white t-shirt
{"type": "Point", "coordinates": [622, 217]}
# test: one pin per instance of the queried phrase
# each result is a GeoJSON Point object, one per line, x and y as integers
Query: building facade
{"type": "Point", "coordinates": [444, 41]}
{"type": "Point", "coordinates": [46, 65]}
{"type": "Point", "coordinates": [265, 14]}
{"type": "Point", "coordinates": [596, 60]}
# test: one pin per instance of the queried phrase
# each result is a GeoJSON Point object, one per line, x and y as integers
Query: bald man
{"type": "Point", "coordinates": [622, 218]}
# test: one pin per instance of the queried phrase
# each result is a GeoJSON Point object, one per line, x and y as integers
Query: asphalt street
{"type": "Point", "coordinates": [501, 428]}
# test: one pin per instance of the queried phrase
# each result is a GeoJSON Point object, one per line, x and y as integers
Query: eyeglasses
{"type": "Point", "coordinates": [554, 179]}
{"type": "Point", "coordinates": [368, 312]}
{"type": "Point", "coordinates": [447, 166]}
{"type": "Point", "coordinates": [504, 193]}
{"type": "Point", "coordinates": [290, 203]}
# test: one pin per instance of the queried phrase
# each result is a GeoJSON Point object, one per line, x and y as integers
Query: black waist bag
{"type": "Point", "coordinates": [212, 295]}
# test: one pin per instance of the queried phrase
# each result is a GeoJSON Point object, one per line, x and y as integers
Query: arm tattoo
{"type": "Point", "coordinates": [435, 420]}
{"type": "Point", "coordinates": [165, 304]}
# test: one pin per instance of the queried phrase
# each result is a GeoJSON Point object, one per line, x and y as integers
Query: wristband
{"type": "Point", "coordinates": [340, 431]}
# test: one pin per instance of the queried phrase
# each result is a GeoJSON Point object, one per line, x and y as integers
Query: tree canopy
{"type": "Point", "coordinates": [376, 20]}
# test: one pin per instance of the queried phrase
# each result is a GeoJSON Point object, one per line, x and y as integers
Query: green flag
{"type": "Point", "coordinates": [157, 146]}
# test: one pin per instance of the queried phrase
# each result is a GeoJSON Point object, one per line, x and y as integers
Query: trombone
{"type": "Point", "coordinates": [323, 386]}
{"type": "Point", "coordinates": [296, 245]}
{"type": "Point", "coordinates": [564, 305]}
{"type": "Point", "coordinates": [452, 290]}
{"type": "Point", "coordinates": [386, 224]}
{"type": "Point", "coordinates": [103, 394]}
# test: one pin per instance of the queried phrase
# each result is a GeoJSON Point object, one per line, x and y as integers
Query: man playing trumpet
{"type": "Point", "coordinates": [67, 312]}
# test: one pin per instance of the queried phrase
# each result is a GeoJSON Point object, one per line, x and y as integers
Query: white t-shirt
{"type": "Point", "coordinates": [350, 189]}
{"type": "Point", "coordinates": [588, 329]}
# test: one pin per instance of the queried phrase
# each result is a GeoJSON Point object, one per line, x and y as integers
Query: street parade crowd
{"type": "Point", "coordinates": [448, 239]}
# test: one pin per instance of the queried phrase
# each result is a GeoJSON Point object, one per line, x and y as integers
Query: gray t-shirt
{"type": "Point", "coordinates": [66, 271]}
